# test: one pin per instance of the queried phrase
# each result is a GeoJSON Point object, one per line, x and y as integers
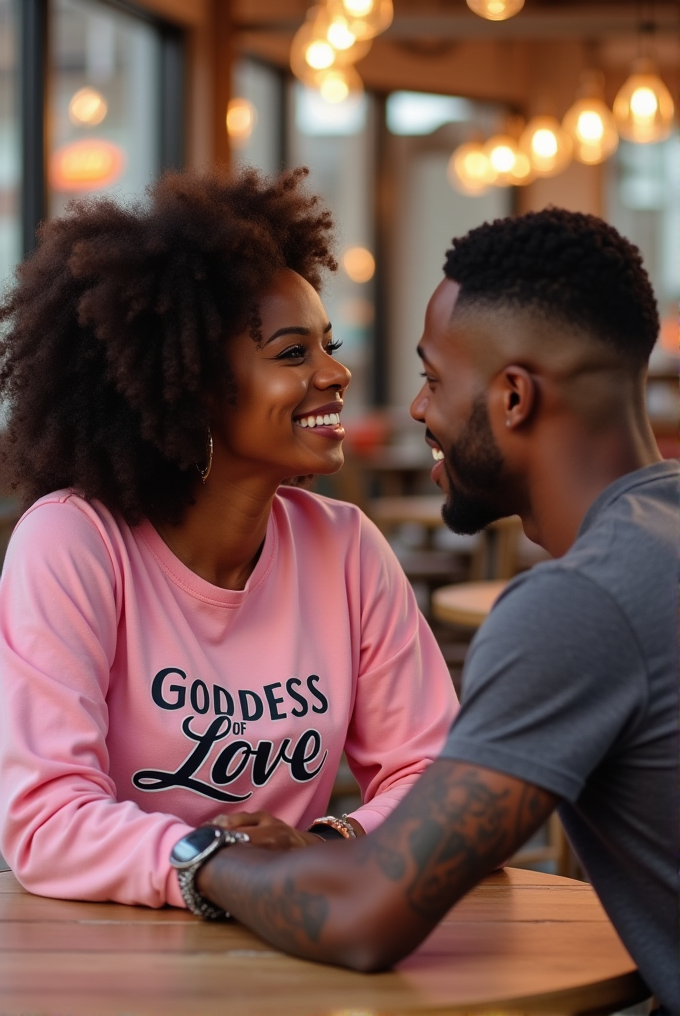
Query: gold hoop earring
{"type": "Point", "coordinates": [205, 471]}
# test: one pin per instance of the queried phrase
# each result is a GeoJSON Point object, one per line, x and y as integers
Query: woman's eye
{"type": "Point", "coordinates": [430, 380]}
{"type": "Point", "coordinates": [332, 346]}
{"type": "Point", "coordinates": [296, 352]}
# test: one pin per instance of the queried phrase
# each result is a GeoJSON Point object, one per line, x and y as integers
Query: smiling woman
{"type": "Point", "coordinates": [181, 634]}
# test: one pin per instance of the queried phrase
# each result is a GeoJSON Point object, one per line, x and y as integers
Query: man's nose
{"type": "Point", "coordinates": [419, 405]}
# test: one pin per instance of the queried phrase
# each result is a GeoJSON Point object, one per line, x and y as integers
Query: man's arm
{"type": "Point", "coordinates": [367, 904]}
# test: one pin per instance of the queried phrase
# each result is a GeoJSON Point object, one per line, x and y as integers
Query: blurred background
{"type": "Point", "coordinates": [418, 119]}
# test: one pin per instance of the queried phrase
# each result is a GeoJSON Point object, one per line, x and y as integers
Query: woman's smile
{"type": "Point", "coordinates": [323, 420]}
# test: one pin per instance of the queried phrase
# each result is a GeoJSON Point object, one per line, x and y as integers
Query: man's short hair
{"type": "Point", "coordinates": [563, 265]}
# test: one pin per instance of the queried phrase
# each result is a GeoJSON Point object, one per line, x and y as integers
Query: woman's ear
{"type": "Point", "coordinates": [518, 396]}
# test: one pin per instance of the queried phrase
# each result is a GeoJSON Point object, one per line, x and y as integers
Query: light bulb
{"type": "Point", "coordinates": [241, 119]}
{"type": "Point", "coordinates": [336, 84]}
{"type": "Point", "coordinates": [359, 8]}
{"type": "Point", "coordinates": [87, 107]}
{"type": "Point", "coordinates": [547, 145]}
{"type": "Point", "coordinates": [644, 108]}
{"type": "Point", "coordinates": [592, 129]}
{"type": "Point", "coordinates": [509, 164]}
{"type": "Point", "coordinates": [469, 169]}
{"type": "Point", "coordinates": [333, 87]}
{"type": "Point", "coordinates": [320, 55]}
{"type": "Point", "coordinates": [359, 264]}
{"type": "Point", "coordinates": [339, 35]}
{"type": "Point", "coordinates": [496, 10]}
{"type": "Point", "coordinates": [365, 18]}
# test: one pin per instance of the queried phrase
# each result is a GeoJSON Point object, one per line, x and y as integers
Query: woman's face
{"type": "Point", "coordinates": [289, 387]}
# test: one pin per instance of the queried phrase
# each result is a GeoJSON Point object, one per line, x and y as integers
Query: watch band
{"type": "Point", "coordinates": [187, 871]}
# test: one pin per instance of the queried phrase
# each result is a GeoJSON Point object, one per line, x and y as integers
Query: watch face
{"type": "Point", "coordinates": [191, 846]}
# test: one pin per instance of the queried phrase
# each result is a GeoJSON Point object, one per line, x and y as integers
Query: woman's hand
{"type": "Point", "coordinates": [265, 830]}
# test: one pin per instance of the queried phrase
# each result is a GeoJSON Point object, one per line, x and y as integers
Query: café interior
{"type": "Point", "coordinates": [418, 120]}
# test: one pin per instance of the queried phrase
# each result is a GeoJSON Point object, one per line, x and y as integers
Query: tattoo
{"type": "Point", "coordinates": [530, 810]}
{"type": "Point", "coordinates": [451, 829]}
{"type": "Point", "coordinates": [283, 909]}
{"type": "Point", "coordinates": [391, 862]}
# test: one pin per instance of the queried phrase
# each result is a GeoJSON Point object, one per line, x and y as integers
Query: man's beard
{"type": "Point", "coordinates": [477, 461]}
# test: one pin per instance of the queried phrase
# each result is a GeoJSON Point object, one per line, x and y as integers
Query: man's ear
{"type": "Point", "coordinates": [515, 396]}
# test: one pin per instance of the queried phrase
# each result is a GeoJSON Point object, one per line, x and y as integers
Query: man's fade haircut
{"type": "Point", "coordinates": [563, 265]}
{"type": "Point", "coordinates": [116, 333]}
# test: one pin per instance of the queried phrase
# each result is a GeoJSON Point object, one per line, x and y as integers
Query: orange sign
{"type": "Point", "coordinates": [86, 165]}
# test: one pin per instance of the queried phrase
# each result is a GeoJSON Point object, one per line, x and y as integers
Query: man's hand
{"type": "Point", "coordinates": [265, 830]}
{"type": "Point", "coordinates": [367, 903]}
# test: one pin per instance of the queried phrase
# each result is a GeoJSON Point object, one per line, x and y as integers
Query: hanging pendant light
{"type": "Point", "coordinates": [496, 10]}
{"type": "Point", "coordinates": [511, 166]}
{"type": "Point", "coordinates": [643, 108]}
{"type": "Point", "coordinates": [364, 18]}
{"type": "Point", "coordinates": [469, 170]}
{"type": "Point", "coordinates": [547, 145]}
{"type": "Point", "coordinates": [590, 123]}
{"type": "Point", "coordinates": [312, 51]}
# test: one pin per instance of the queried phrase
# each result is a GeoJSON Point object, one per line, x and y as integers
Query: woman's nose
{"type": "Point", "coordinates": [333, 374]}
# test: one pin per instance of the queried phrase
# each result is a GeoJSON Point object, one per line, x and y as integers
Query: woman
{"type": "Point", "coordinates": [180, 635]}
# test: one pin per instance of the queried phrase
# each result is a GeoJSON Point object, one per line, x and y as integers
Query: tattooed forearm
{"type": "Point", "coordinates": [367, 903]}
{"type": "Point", "coordinates": [455, 826]}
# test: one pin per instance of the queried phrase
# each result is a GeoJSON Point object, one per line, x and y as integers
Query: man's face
{"type": "Point", "coordinates": [452, 405]}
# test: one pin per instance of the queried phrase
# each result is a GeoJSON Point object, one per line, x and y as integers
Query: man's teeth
{"type": "Point", "coordinates": [327, 420]}
{"type": "Point", "coordinates": [437, 454]}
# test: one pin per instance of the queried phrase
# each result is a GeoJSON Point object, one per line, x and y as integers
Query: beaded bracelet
{"type": "Point", "coordinates": [341, 825]}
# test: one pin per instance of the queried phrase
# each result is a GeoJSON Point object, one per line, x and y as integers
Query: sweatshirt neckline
{"type": "Point", "coordinates": [200, 588]}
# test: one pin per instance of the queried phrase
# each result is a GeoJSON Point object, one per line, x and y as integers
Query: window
{"type": "Point", "coordinates": [10, 151]}
{"type": "Point", "coordinates": [336, 142]}
{"type": "Point", "coordinates": [103, 102]}
{"type": "Point", "coordinates": [257, 139]}
{"type": "Point", "coordinates": [99, 110]}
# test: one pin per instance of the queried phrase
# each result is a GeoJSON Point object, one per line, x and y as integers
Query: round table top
{"type": "Point", "coordinates": [529, 941]}
{"type": "Point", "coordinates": [466, 603]}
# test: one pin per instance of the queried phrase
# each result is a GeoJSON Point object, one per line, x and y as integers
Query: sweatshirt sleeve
{"type": "Point", "coordinates": [62, 830]}
{"type": "Point", "coordinates": [405, 700]}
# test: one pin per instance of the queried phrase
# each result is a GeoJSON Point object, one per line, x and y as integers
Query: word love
{"type": "Point", "coordinates": [233, 760]}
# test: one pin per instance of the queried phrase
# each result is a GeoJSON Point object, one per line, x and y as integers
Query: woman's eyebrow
{"type": "Point", "coordinates": [294, 330]}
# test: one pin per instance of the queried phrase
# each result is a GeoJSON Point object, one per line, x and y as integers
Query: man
{"type": "Point", "coordinates": [534, 355]}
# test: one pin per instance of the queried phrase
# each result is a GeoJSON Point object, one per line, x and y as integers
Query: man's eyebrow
{"type": "Point", "coordinates": [294, 330]}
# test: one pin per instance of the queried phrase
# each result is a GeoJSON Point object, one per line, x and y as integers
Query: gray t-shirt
{"type": "Point", "coordinates": [572, 685]}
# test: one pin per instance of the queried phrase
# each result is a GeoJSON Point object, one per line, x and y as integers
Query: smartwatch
{"type": "Point", "coordinates": [187, 856]}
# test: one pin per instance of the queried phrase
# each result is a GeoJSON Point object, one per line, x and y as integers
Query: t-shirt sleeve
{"type": "Point", "coordinates": [63, 831]}
{"type": "Point", "coordinates": [553, 679]}
{"type": "Point", "coordinates": [405, 701]}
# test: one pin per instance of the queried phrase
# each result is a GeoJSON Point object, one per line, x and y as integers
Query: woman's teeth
{"type": "Point", "coordinates": [329, 420]}
{"type": "Point", "coordinates": [437, 454]}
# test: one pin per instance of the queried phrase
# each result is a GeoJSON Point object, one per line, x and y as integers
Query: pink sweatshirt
{"type": "Point", "coordinates": [139, 700]}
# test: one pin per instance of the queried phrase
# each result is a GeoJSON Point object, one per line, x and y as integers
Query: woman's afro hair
{"type": "Point", "coordinates": [115, 332]}
{"type": "Point", "coordinates": [563, 265]}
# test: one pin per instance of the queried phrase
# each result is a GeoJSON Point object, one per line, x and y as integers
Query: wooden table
{"type": "Point", "coordinates": [467, 603]}
{"type": "Point", "coordinates": [522, 940]}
